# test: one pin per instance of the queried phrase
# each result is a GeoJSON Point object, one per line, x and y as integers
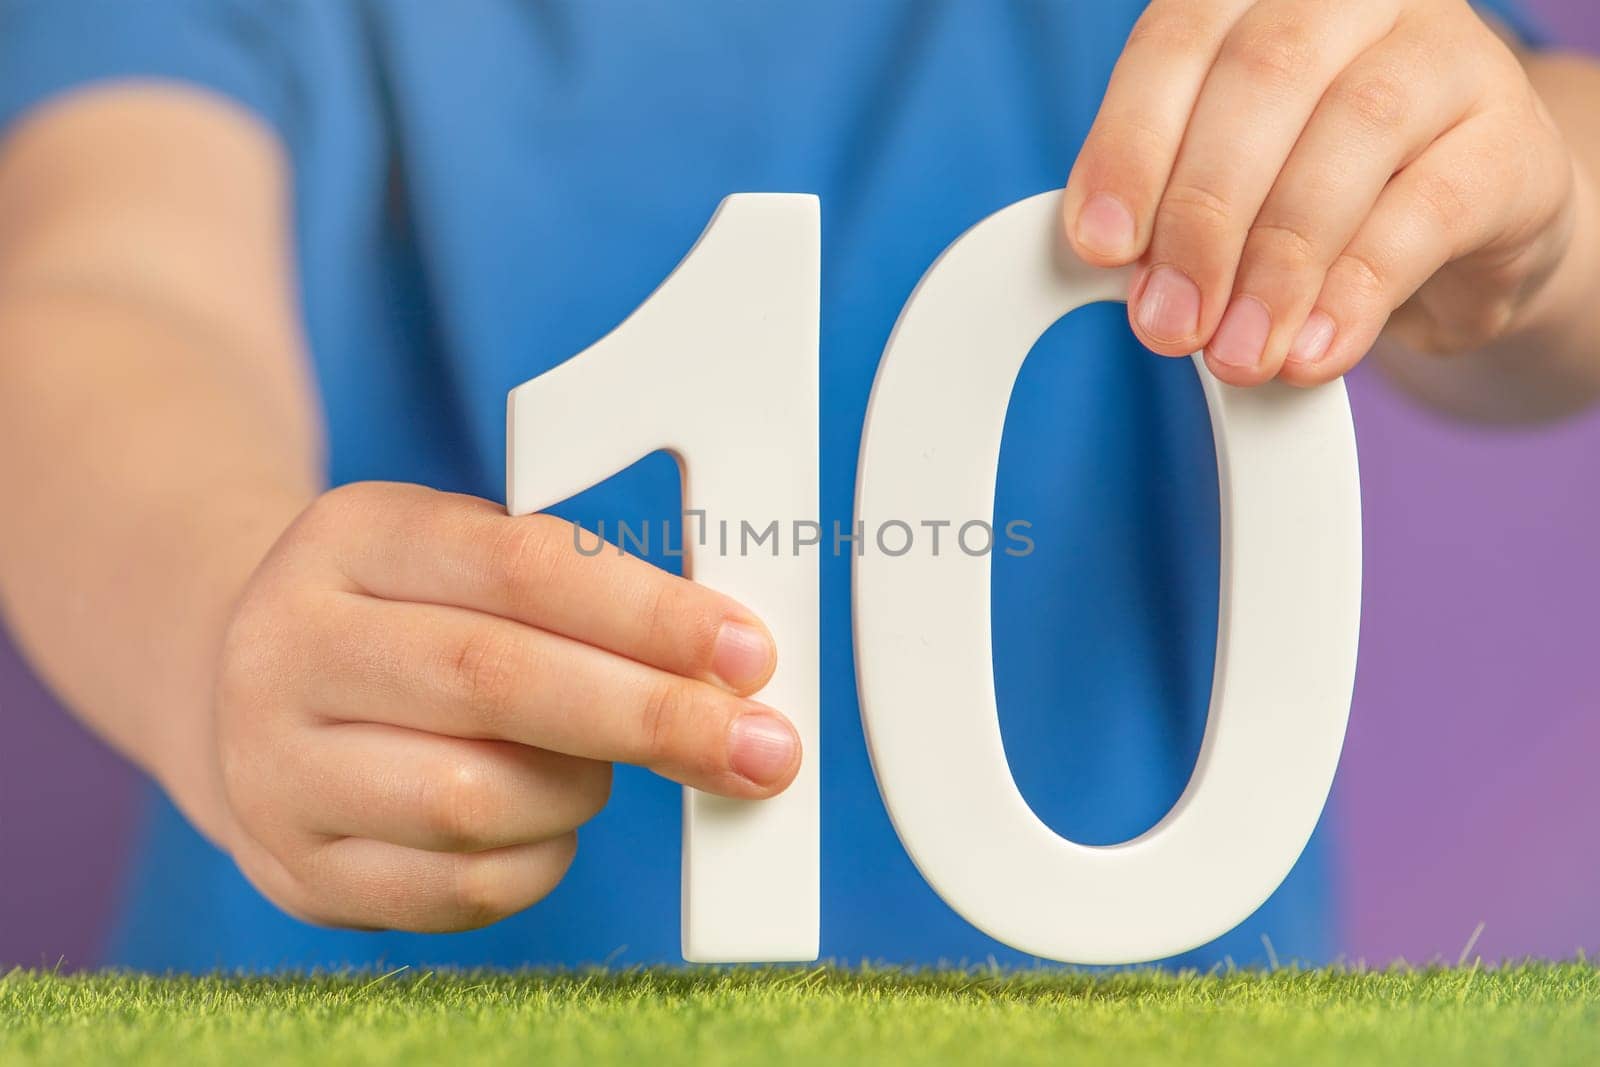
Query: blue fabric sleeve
{"type": "Point", "coordinates": [236, 48]}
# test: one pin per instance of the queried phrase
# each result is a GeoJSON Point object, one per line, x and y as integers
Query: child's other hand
{"type": "Point", "coordinates": [420, 699]}
{"type": "Point", "coordinates": [1288, 174]}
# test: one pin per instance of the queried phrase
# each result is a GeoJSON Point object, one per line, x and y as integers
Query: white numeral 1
{"type": "Point", "coordinates": [1286, 641]}
{"type": "Point", "coordinates": [718, 367]}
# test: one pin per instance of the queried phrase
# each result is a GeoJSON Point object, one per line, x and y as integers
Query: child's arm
{"type": "Point", "coordinates": [159, 428]}
{"type": "Point", "coordinates": [392, 706]}
{"type": "Point", "coordinates": [1296, 179]}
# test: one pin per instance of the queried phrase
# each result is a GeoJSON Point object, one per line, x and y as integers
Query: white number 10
{"type": "Point", "coordinates": [719, 367]}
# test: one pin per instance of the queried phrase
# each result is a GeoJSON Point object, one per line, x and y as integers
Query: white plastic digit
{"type": "Point", "coordinates": [718, 367]}
{"type": "Point", "coordinates": [1290, 599]}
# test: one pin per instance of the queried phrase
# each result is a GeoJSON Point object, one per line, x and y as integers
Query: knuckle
{"type": "Point", "coordinates": [1127, 136]}
{"type": "Point", "coordinates": [338, 506]}
{"type": "Point", "coordinates": [324, 513]}
{"type": "Point", "coordinates": [266, 640]}
{"type": "Point", "coordinates": [1275, 53]}
{"type": "Point", "coordinates": [457, 805]}
{"type": "Point", "coordinates": [1493, 320]}
{"type": "Point", "coordinates": [661, 715]}
{"type": "Point", "coordinates": [1378, 103]}
{"type": "Point", "coordinates": [1477, 326]}
{"type": "Point", "coordinates": [1285, 245]}
{"type": "Point", "coordinates": [260, 680]}
{"type": "Point", "coordinates": [1361, 277]}
{"type": "Point", "coordinates": [478, 893]}
{"type": "Point", "coordinates": [482, 670]}
{"type": "Point", "coordinates": [250, 658]}
{"type": "Point", "coordinates": [1192, 207]}
{"type": "Point", "coordinates": [1126, 151]}
{"type": "Point", "coordinates": [676, 619]}
{"type": "Point", "coordinates": [658, 608]}
{"type": "Point", "coordinates": [527, 553]}
{"type": "Point", "coordinates": [1442, 200]}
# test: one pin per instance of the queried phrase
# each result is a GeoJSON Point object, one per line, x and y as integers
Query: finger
{"type": "Point", "coordinates": [442, 794]}
{"type": "Point", "coordinates": [1369, 125]}
{"type": "Point", "coordinates": [1270, 72]}
{"type": "Point", "coordinates": [443, 548]}
{"type": "Point", "coordinates": [376, 885]}
{"type": "Point", "coordinates": [1456, 197]}
{"type": "Point", "coordinates": [450, 671]}
{"type": "Point", "coordinates": [1116, 182]}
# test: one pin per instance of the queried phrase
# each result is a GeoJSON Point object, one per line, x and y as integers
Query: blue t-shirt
{"type": "Point", "coordinates": [484, 188]}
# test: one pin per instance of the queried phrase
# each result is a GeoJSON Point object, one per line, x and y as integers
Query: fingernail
{"type": "Point", "coordinates": [1242, 337]}
{"type": "Point", "coordinates": [1105, 226]}
{"type": "Point", "coordinates": [1169, 310]}
{"type": "Point", "coordinates": [762, 747]}
{"type": "Point", "coordinates": [741, 655]}
{"type": "Point", "coordinates": [1314, 339]}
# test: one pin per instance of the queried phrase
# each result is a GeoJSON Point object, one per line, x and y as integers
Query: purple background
{"type": "Point", "coordinates": [1469, 782]}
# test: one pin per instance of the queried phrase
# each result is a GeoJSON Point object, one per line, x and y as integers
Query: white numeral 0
{"type": "Point", "coordinates": [719, 366]}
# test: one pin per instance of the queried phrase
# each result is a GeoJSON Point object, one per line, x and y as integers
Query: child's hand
{"type": "Point", "coordinates": [420, 698]}
{"type": "Point", "coordinates": [1288, 174]}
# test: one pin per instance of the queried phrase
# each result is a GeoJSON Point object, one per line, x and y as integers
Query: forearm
{"type": "Point", "coordinates": [144, 482]}
{"type": "Point", "coordinates": [158, 434]}
{"type": "Point", "coordinates": [1548, 364]}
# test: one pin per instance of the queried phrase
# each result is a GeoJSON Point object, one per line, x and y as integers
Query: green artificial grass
{"type": "Point", "coordinates": [1530, 1015]}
